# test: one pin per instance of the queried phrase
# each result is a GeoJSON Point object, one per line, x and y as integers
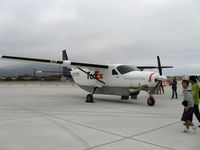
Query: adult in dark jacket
{"type": "Point", "coordinates": [174, 88]}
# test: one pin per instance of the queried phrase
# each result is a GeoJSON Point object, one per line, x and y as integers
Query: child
{"type": "Point", "coordinates": [188, 106]}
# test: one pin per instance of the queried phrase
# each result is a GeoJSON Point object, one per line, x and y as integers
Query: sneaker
{"type": "Point", "coordinates": [194, 127]}
{"type": "Point", "coordinates": [186, 131]}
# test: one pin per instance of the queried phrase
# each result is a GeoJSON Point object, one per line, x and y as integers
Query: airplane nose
{"type": "Point", "coordinates": [156, 77]}
{"type": "Point", "coordinates": [161, 78]}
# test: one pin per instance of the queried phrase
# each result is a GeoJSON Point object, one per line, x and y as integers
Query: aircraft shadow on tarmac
{"type": "Point", "coordinates": [116, 100]}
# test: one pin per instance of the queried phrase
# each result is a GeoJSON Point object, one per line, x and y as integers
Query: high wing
{"type": "Point", "coordinates": [159, 67]}
{"type": "Point", "coordinates": [152, 67]}
{"type": "Point", "coordinates": [65, 63]}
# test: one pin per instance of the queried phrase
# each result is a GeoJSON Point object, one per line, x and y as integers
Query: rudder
{"type": "Point", "coordinates": [66, 70]}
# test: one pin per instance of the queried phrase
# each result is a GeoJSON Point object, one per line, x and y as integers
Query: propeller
{"type": "Point", "coordinates": [160, 73]}
{"type": "Point", "coordinates": [159, 66]}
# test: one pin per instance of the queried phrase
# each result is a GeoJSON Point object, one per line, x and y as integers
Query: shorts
{"type": "Point", "coordinates": [187, 115]}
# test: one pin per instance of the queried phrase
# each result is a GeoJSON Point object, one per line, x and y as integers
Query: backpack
{"type": "Point", "coordinates": [199, 86]}
{"type": "Point", "coordinates": [199, 93]}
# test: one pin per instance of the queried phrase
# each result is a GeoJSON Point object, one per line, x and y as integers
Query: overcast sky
{"type": "Point", "coordinates": [104, 31]}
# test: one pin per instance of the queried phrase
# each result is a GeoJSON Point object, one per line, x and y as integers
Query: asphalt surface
{"type": "Point", "coordinates": [54, 116]}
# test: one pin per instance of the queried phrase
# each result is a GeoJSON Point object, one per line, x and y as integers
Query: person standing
{"type": "Point", "coordinates": [188, 103]}
{"type": "Point", "coordinates": [174, 88]}
{"type": "Point", "coordinates": [158, 88]}
{"type": "Point", "coordinates": [162, 87]}
{"type": "Point", "coordinates": [195, 90]}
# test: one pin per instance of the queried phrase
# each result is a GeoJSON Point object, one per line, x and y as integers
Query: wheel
{"type": "Point", "coordinates": [125, 97]}
{"type": "Point", "coordinates": [89, 98]}
{"type": "Point", "coordinates": [151, 101]}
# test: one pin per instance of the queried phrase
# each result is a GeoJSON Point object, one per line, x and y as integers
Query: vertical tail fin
{"type": "Point", "coordinates": [64, 53]}
{"type": "Point", "coordinates": [66, 70]}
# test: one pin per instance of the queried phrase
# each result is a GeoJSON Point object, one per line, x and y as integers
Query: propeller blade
{"type": "Point", "coordinates": [159, 66]}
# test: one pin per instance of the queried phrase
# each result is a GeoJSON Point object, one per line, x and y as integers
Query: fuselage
{"type": "Point", "coordinates": [118, 79]}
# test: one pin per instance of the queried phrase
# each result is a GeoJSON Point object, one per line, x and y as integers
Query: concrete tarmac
{"type": "Point", "coordinates": [54, 116]}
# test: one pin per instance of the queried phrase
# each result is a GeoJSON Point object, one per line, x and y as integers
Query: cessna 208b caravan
{"type": "Point", "coordinates": [111, 79]}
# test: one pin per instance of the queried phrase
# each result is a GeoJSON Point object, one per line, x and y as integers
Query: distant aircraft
{"type": "Point", "coordinates": [111, 79]}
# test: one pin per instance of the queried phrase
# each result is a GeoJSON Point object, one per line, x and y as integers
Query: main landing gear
{"type": "Point", "coordinates": [89, 97]}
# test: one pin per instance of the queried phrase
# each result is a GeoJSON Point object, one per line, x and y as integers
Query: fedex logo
{"type": "Point", "coordinates": [96, 75]}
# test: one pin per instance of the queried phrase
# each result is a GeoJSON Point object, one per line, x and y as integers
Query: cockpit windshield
{"type": "Point", "coordinates": [123, 69]}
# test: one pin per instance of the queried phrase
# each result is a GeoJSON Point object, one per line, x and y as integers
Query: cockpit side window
{"type": "Point", "coordinates": [114, 72]}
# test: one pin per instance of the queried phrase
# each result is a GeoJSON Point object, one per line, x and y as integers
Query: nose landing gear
{"type": "Point", "coordinates": [151, 100]}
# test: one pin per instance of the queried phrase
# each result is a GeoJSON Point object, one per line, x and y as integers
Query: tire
{"type": "Point", "coordinates": [89, 98]}
{"type": "Point", "coordinates": [125, 97]}
{"type": "Point", "coordinates": [151, 101]}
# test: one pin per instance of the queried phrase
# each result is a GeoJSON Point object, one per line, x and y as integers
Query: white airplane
{"type": "Point", "coordinates": [111, 79]}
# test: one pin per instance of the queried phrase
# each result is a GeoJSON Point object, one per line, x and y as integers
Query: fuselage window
{"type": "Point", "coordinates": [114, 72]}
